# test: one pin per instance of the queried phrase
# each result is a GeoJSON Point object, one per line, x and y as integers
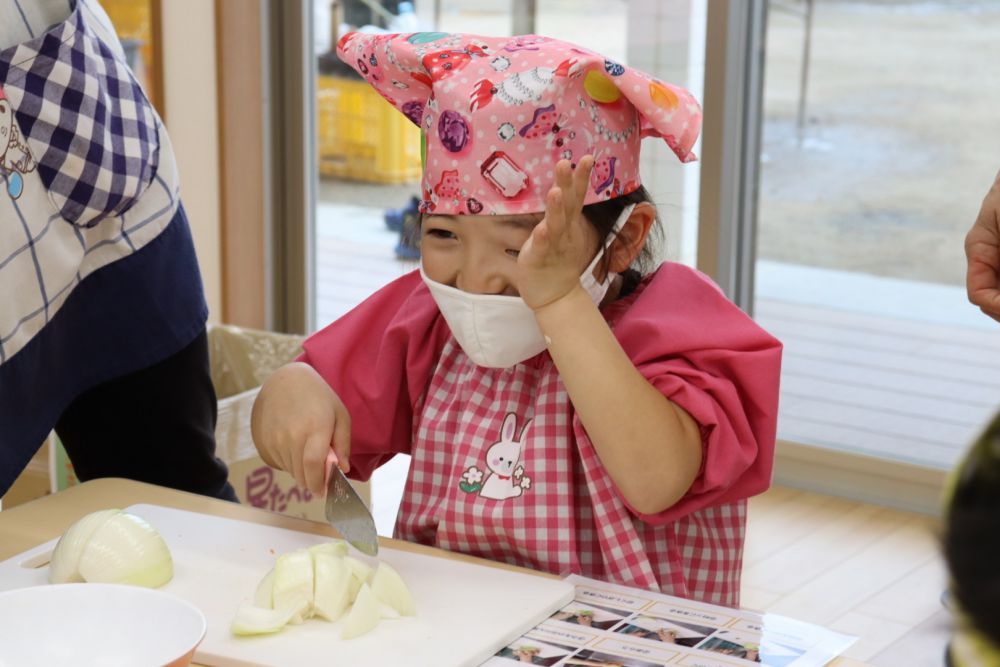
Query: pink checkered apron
{"type": "Point", "coordinates": [503, 469]}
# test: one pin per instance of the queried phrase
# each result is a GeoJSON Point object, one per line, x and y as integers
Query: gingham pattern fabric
{"type": "Point", "coordinates": [568, 518]}
{"type": "Point", "coordinates": [502, 468]}
{"type": "Point", "coordinates": [87, 122]}
{"type": "Point", "coordinates": [43, 259]}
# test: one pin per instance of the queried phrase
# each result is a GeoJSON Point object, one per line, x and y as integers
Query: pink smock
{"type": "Point", "coordinates": [502, 466]}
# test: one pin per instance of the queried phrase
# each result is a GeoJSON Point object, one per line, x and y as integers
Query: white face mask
{"type": "Point", "coordinates": [499, 331]}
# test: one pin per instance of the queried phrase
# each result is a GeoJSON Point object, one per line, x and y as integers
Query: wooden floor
{"type": "Point", "coordinates": [882, 385]}
{"type": "Point", "coordinates": [859, 569]}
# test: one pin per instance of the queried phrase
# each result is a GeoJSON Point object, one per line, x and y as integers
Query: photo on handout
{"type": "Point", "coordinates": [526, 650]}
{"type": "Point", "coordinates": [667, 631]}
{"type": "Point", "coordinates": [588, 658]}
{"type": "Point", "coordinates": [589, 615]}
{"type": "Point", "coordinates": [743, 645]}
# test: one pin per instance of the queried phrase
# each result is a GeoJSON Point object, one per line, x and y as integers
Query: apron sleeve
{"type": "Point", "coordinates": [379, 358]}
{"type": "Point", "coordinates": [707, 356]}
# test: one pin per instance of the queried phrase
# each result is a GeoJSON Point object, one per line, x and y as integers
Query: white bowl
{"type": "Point", "coordinates": [97, 624]}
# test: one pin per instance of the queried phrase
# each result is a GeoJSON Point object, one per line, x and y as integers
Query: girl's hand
{"type": "Point", "coordinates": [562, 244]}
{"type": "Point", "coordinates": [297, 418]}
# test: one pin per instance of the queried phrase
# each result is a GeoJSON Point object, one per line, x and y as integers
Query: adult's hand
{"type": "Point", "coordinates": [982, 251]}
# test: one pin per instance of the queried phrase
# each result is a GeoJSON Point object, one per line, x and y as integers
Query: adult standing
{"type": "Point", "coordinates": [102, 322]}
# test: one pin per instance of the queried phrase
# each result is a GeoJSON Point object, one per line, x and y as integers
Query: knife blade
{"type": "Point", "coordinates": [346, 512]}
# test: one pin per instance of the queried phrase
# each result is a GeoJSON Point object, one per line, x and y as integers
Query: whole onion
{"type": "Point", "coordinates": [114, 547]}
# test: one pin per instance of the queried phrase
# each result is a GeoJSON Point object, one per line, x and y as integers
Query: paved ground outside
{"type": "Point", "coordinates": [902, 138]}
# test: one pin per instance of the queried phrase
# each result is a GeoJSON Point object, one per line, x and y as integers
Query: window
{"type": "Point", "coordinates": [879, 140]}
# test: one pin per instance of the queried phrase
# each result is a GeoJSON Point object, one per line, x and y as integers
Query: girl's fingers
{"type": "Point", "coordinates": [297, 470]}
{"type": "Point", "coordinates": [574, 184]}
{"type": "Point", "coordinates": [328, 464]}
{"type": "Point", "coordinates": [555, 217]}
{"type": "Point", "coordinates": [564, 185]}
{"type": "Point", "coordinates": [581, 177]}
{"type": "Point", "coordinates": [342, 443]}
{"type": "Point", "coordinates": [314, 462]}
{"type": "Point", "coordinates": [581, 180]}
{"type": "Point", "coordinates": [563, 208]}
{"type": "Point", "coordinates": [564, 174]}
{"type": "Point", "coordinates": [539, 238]}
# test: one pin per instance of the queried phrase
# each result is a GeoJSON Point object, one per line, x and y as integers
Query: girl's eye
{"type": "Point", "coordinates": [513, 253]}
{"type": "Point", "coordinates": [440, 234]}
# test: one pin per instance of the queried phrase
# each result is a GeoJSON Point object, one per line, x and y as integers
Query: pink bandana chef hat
{"type": "Point", "coordinates": [498, 113]}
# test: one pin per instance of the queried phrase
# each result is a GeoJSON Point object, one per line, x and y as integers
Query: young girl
{"type": "Point", "coordinates": [562, 411]}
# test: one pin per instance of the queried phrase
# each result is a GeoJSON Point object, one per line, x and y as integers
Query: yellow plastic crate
{"type": "Point", "coordinates": [133, 19]}
{"type": "Point", "coordinates": [362, 137]}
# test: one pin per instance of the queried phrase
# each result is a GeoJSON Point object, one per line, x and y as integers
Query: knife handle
{"type": "Point", "coordinates": [331, 460]}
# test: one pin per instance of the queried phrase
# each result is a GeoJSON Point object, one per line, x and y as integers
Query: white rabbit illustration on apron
{"type": "Point", "coordinates": [505, 479]}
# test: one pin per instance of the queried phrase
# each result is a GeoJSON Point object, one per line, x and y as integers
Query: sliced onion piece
{"type": "Point", "coordinates": [336, 548]}
{"type": "Point", "coordinates": [264, 596]}
{"type": "Point", "coordinates": [293, 584]}
{"type": "Point", "coordinates": [332, 585]}
{"type": "Point", "coordinates": [388, 613]}
{"type": "Point", "coordinates": [125, 549]}
{"type": "Point", "coordinates": [362, 572]}
{"type": "Point", "coordinates": [388, 586]}
{"type": "Point", "coordinates": [65, 564]}
{"type": "Point", "coordinates": [320, 581]}
{"type": "Point", "coordinates": [364, 616]}
{"type": "Point", "coordinates": [253, 620]}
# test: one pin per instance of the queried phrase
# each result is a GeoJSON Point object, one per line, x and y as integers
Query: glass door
{"type": "Point", "coordinates": [879, 142]}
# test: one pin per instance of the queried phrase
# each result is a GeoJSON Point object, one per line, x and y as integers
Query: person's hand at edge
{"type": "Point", "coordinates": [982, 252]}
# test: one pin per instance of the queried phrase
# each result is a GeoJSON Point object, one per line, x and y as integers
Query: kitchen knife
{"type": "Point", "coordinates": [347, 512]}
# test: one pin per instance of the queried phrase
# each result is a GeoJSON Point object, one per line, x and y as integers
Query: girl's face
{"type": "Point", "coordinates": [478, 253]}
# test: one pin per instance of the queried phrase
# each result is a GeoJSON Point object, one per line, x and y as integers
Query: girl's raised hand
{"type": "Point", "coordinates": [562, 244]}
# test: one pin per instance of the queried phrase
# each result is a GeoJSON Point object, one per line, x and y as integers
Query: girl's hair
{"type": "Point", "coordinates": [603, 215]}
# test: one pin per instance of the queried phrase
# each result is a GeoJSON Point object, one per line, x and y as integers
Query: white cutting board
{"type": "Point", "coordinates": [465, 612]}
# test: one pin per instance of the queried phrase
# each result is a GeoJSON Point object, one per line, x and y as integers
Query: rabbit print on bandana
{"type": "Point", "coordinates": [504, 478]}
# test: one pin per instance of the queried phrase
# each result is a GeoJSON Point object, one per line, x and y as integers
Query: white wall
{"type": "Point", "coordinates": [192, 120]}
